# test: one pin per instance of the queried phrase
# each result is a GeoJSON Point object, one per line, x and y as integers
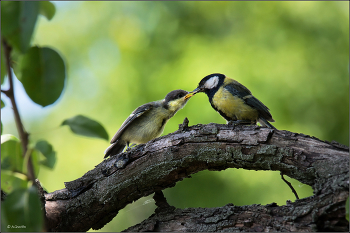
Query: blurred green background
{"type": "Point", "coordinates": [293, 56]}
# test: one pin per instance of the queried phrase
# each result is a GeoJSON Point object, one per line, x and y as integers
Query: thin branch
{"type": "Point", "coordinates": [290, 186]}
{"type": "Point", "coordinates": [23, 135]}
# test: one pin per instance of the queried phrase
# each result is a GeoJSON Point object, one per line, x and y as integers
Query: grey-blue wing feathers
{"type": "Point", "coordinates": [135, 114]}
{"type": "Point", "coordinates": [119, 145]}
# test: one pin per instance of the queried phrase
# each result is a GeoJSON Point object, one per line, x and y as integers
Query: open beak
{"type": "Point", "coordinates": [192, 93]}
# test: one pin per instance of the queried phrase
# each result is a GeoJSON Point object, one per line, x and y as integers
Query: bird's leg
{"type": "Point", "coordinates": [128, 147]}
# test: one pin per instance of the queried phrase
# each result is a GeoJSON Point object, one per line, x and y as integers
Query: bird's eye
{"type": "Point", "coordinates": [179, 96]}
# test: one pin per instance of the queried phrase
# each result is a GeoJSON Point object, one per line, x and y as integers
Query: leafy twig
{"type": "Point", "coordinates": [23, 135]}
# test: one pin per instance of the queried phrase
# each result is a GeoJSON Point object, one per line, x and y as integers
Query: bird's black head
{"type": "Point", "coordinates": [176, 94]}
{"type": "Point", "coordinates": [175, 100]}
{"type": "Point", "coordinates": [210, 84]}
{"type": "Point", "coordinates": [211, 81]}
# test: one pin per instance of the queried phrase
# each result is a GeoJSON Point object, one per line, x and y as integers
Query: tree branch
{"type": "Point", "coordinates": [94, 199]}
{"type": "Point", "coordinates": [23, 135]}
{"type": "Point", "coordinates": [290, 186]}
{"type": "Point", "coordinates": [297, 217]}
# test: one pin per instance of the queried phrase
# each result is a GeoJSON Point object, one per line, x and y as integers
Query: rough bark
{"type": "Point", "coordinates": [95, 199]}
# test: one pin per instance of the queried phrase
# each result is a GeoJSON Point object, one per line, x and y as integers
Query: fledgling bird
{"type": "Point", "coordinates": [147, 121]}
{"type": "Point", "coordinates": [233, 101]}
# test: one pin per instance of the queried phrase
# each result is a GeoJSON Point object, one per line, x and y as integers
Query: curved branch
{"type": "Point", "coordinates": [94, 199]}
{"type": "Point", "coordinates": [300, 216]}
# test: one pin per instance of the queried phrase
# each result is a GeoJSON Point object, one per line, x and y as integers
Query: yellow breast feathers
{"type": "Point", "coordinates": [233, 107]}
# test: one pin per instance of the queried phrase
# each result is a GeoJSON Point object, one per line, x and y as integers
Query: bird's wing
{"type": "Point", "coordinates": [237, 89]}
{"type": "Point", "coordinates": [242, 92]}
{"type": "Point", "coordinates": [135, 114]}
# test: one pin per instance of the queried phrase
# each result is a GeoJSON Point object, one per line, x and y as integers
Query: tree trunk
{"type": "Point", "coordinates": [95, 199]}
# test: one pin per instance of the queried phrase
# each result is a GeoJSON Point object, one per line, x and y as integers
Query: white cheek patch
{"type": "Point", "coordinates": [212, 82]}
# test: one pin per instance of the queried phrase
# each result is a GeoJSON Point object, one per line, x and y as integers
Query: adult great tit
{"type": "Point", "coordinates": [233, 101]}
{"type": "Point", "coordinates": [147, 122]}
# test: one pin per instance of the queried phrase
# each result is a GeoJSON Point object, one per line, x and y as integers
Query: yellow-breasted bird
{"type": "Point", "coordinates": [147, 121]}
{"type": "Point", "coordinates": [233, 101]}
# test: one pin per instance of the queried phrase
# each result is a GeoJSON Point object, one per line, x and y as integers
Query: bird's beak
{"type": "Point", "coordinates": [192, 93]}
{"type": "Point", "coordinates": [189, 95]}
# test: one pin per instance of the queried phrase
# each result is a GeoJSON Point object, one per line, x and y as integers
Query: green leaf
{"type": "Point", "coordinates": [21, 211]}
{"type": "Point", "coordinates": [19, 19]}
{"type": "Point", "coordinates": [10, 16]}
{"type": "Point", "coordinates": [42, 73]}
{"type": "Point", "coordinates": [347, 209]}
{"type": "Point", "coordinates": [84, 126]}
{"type": "Point", "coordinates": [46, 149]}
{"type": "Point", "coordinates": [2, 104]}
{"type": "Point", "coordinates": [3, 64]}
{"type": "Point", "coordinates": [11, 181]}
{"type": "Point", "coordinates": [15, 60]}
{"type": "Point", "coordinates": [4, 221]}
{"type": "Point", "coordinates": [11, 153]}
{"type": "Point", "coordinates": [47, 9]}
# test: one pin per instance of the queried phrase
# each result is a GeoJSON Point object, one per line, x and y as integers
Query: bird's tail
{"type": "Point", "coordinates": [115, 148]}
{"type": "Point", "coordinates": [264, 122]}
